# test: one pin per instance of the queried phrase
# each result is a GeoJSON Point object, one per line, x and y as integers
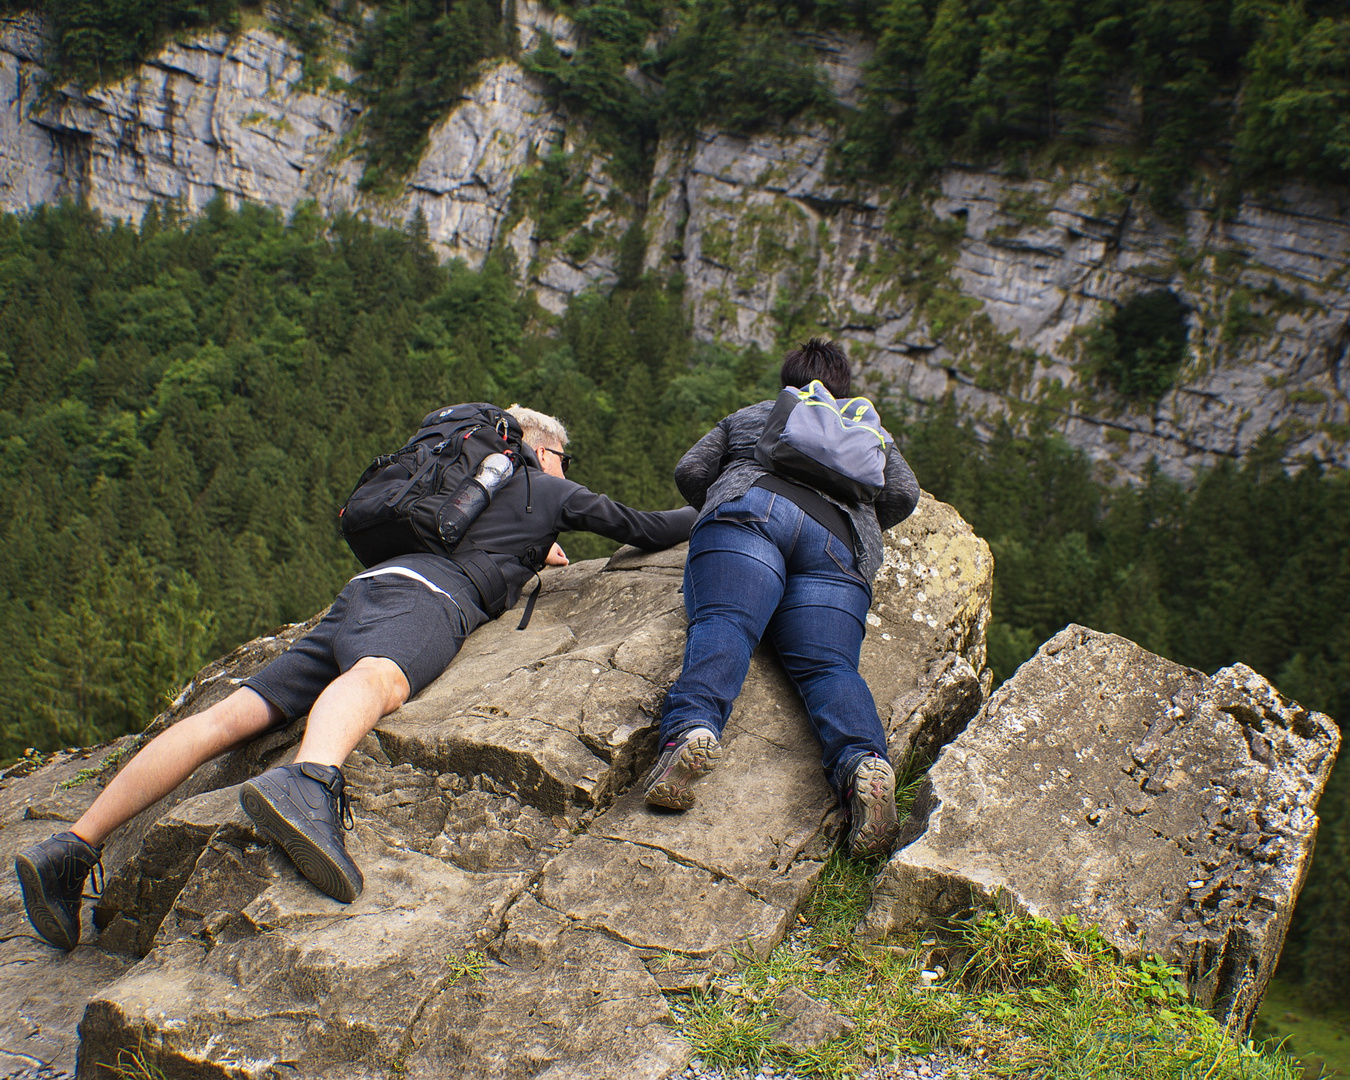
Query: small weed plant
{"type": "Point", "coordinates": [134, 1065]}
{"type": "Point", "coordinates": [470, 965]}
{"type": "Point", "coordinates": [997, 994]}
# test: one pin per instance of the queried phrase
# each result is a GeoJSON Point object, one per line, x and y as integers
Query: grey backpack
{"type": "Point", "coordinates": [836, 447]}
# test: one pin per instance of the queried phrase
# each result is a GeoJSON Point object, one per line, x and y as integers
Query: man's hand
{"type": "Point", "coordinates": [555, 557]}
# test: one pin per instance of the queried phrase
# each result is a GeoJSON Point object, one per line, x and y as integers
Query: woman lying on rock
{"type": "Point", "coordinates": [391, 631]}
{"type": "Point", "coordinates": [795, 560]}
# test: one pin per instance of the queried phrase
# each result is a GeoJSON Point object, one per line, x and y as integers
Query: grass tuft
{"type": "Point", "coordinates": [133, 1065]}
{"type": "Point", "coordinates": [1024, 996]}
{"type": "Point", "coordinates": [1012, 952]}
{"type": "Point", "coordinates": [471, 966]}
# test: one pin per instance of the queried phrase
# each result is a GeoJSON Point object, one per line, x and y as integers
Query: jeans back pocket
{"type": "Point", "coordinates": [844, 557]}
{"type": "Point", "coordinates": [754, 505]}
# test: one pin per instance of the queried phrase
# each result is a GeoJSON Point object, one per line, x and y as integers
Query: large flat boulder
{"type": "Point", "coordinates": [1174, 809]}
{"type": "Point", "coordinates": [523, 905]}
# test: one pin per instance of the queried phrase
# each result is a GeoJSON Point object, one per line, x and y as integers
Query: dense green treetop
{"type": "Point", "coordinates": [1252, 90]}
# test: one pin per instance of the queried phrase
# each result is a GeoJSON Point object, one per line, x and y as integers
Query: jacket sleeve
{"type": "Point", "coordinates": [701, 465]}
{"type": "Point", "coordinates": [901, 493]}
{"type": "Point", "coordinates": [586, 511]}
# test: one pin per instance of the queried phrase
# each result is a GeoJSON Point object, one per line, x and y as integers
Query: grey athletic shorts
{"type": "Point", "coordinates": [390, 616]}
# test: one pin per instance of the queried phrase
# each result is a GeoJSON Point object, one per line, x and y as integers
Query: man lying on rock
{"type": "Point", "coordinates": [390, 632]}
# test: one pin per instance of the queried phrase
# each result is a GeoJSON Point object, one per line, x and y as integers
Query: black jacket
{"type": "Point", "coordinates": [526, 515]}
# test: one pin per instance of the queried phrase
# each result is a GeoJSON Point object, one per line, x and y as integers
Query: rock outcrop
{"type": "Point", "coordinates": [985, 291]}
{"type": "Point", "coordinates": [1175, 810]}
{"type": "Point", "coordinates": [236, 117]}
{"type": "Point", "coordinates": [983, 288]}
{"type": "Point", "coordinates": [523, 907]}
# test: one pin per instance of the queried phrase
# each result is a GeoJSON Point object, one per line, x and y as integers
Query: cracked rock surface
{"type": "Point", "coordinates": [1176, 810]}
{"type": "Point", "coordinates": [522, 905]}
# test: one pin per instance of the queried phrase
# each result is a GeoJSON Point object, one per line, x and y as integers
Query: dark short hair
{"type": "Point", "coordinates": [819, 358]}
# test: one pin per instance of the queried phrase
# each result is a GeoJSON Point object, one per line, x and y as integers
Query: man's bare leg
{"type": "Point", "coordinates": [301, 806]}
{"type": "Point", "coordinates": [350, 706]}
{"type": "Point", "coordinates": [171, 757]}
{"type": "Point", "coordinates": [347, 709]}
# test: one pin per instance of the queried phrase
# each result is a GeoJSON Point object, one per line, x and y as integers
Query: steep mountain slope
{"type": "Point", "coordinates": [1017, 292]}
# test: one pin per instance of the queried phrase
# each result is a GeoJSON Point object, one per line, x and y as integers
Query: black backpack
{"type": "Point", "coordinates": [403, 502]}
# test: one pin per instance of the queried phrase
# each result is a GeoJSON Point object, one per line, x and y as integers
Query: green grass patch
{"type": "Point", "coordinates": [96, 772]}
{"type": "Point", "coordinates": [1138, 349]}
{"type": "Point", "coordinates": [1001, 994]}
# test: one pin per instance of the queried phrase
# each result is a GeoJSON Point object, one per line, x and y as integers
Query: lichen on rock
{"type": "Point", "coordinates": [1174, 810]}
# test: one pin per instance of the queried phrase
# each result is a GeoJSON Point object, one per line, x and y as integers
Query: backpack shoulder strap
{"type": "Point", "coordinates": [487, 578]}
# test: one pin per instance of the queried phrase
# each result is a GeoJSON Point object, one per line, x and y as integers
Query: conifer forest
{"type": "Point", "coordinates": [186, 401]}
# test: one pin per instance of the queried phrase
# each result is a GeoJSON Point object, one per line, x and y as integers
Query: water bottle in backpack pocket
{"type": "Point", "coordinates": [424, 497]}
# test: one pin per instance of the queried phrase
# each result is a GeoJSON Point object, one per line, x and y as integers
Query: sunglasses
{"type": "Point", "coordinates": [567, 459]}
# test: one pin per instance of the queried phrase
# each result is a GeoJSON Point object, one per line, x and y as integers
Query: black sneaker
{"type": "Point", "coordinates": [871, 798]}
{"type": "Point", "coordinates": [689, 757]}
{"type": "Point", "coordinates": [52, 875]}
{"type": "Point", "coordinates": [304, 808]}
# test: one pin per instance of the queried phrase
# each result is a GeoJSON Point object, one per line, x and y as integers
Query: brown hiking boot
{"type": "Point", "coordinates": [690, 756]}
{"type": "Point", "coordinates": [871, 798]}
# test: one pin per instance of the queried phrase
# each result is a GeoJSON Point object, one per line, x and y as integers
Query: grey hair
{"type": "Point", "coordinates": [539, 428]}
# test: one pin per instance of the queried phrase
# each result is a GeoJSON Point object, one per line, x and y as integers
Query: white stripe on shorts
{"type": "Point", "coordinates": [403, 571]}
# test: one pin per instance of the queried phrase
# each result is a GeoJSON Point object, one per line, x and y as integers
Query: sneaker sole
{"type": "Point", "coordinates": [39, 908]}
{"type": "Point", "coordinates": [696, 761]}
{"type": "Point", "coordinates": [323, 872]}
{"type": "Point", "coordinates": [878, 826]}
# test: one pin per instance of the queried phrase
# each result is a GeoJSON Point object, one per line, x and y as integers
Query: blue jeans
{"type": "Point", "coordinates": [761, 563]}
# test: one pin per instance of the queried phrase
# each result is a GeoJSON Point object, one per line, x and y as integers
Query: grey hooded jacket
{"type": "Point", "coordinates": [713, 471]}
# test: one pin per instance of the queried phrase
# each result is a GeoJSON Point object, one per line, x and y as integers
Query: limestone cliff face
{"type": "Point", "coordinates": [982, 288]}
{"type": "Point", "coordinates": [764, 237]}
{"type": "Point", "coordinates": [235, 116]}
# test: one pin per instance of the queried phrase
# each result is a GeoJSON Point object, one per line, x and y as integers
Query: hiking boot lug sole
{"type": "Point", "coordinates": [40, 909]}
{"type": "Point", "coordinates": [672, 788]}
{"type": "Point", "coordinates": [323, 871]}
{"type": "Point", "coordinates": [871, 841]}
{"type": "Point", "coordinates": [876, 824]}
